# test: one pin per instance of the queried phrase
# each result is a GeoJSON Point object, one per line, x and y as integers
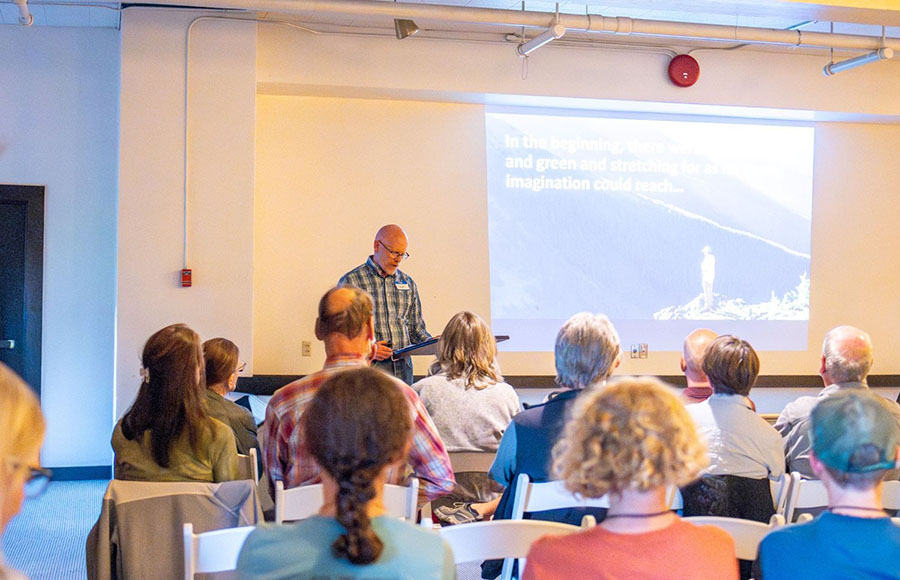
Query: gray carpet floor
{"type": "Point", "coordinates": [46, 540]}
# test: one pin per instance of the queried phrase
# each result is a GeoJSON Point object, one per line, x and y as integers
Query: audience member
{"type": "Point", "coordinates": [587, 351]}
{"type": "Point", "coordinates": [698, 389]}
{"type": "Point", "coordinates": [844, 365]}
{"type": "Point", "coordinates": [223, 364]}
{"type": "Point", "coordinates": [739, 441]}
{"type": "Point", "coordinates": [631, 440]}
{"type": "Point", "coordinates": [167, 434]}
{"type": "Point", "coordinates": [471, 407]}
{"type": "Point", "coordinates": [357, 425]}
{"type": "Point", "coordinates": [21, 476]}
{"type": "Point", "coordinates": [345, 325]}
{"type": "Point", "coordinates": [855, 441]}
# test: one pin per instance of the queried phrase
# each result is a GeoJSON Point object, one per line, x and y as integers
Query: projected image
{"type": "Point", "coordinates": [663, 225]}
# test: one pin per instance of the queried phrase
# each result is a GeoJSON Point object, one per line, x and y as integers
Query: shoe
{"type": "Point", "coordinates": [460, 513]}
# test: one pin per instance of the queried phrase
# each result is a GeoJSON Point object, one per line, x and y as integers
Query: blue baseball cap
{"type": "Point", "coordinates": [854, 432]}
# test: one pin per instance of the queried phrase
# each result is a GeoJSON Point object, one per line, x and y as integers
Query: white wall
{"type": "Point", "coordinates": [58, 129]}
{"type": "Point", "coordinates": [222, 90]}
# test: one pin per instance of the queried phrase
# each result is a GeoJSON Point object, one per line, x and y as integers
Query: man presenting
{"type": "Point", "coordinates": [398, 311]}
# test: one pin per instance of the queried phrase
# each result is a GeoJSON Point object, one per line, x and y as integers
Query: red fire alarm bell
{"type": "Point", "coordinates": [684, 70]}
{"type": "Point", "coordinates": [186, 278]}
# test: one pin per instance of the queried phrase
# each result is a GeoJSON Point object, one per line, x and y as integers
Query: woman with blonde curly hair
{"type": "Point", "coordinates": [632, 440]}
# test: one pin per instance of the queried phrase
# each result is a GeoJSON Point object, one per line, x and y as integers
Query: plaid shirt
{"type": "Point", "coordinates": [285, 457]}
{"type": "Point", "coordinates": [398, 311]}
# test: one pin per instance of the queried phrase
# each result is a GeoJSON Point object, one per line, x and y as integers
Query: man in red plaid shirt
{"type": "Point", "coordinates": [345, 325]}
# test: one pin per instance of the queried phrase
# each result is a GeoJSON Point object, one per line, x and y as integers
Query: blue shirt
{"type": "Point", "coordinates": [302, 550]}
{"type": "Point", "coordinates": [833, 546]}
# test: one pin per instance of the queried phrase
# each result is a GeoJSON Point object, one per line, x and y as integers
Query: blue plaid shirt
{"type": "Point", "coordinates": [398, 310]}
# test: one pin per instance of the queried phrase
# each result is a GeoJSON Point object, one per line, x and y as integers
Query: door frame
{"type": "Point", "coordinates": [33, 198]}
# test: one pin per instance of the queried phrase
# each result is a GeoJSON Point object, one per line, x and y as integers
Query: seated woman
{"type": "Point", "coordinates": [223, 364]}
{"type": "Point", "coordinates": [744, 450]}
{"type": "Point", "coordinates": [357, 426]}
{"type": "Point", "coordinates": [632, 440]}
{"type": "Point", "coordinates": [22, 425]}
{"type": "Point", "coordinates": [167, 434]}
{"type": "Point", "coordinates": [471, 407]}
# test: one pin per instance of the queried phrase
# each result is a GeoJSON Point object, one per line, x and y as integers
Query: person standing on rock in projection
{"type": "Point", "coordinates": [708, 276]}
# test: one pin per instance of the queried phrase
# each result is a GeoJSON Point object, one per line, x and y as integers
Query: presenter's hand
{"type": "Point", "coordinates": [382, 350]}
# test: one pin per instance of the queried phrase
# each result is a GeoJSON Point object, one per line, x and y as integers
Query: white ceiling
{"type": "Point", "coordinates": [750, 13]}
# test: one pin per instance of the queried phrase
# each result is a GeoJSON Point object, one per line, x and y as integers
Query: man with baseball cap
{"type": "Point", "coordinates": [855, 441]}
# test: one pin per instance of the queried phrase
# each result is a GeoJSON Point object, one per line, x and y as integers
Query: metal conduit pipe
{"type": "Point", "coordinates": [573, 22]}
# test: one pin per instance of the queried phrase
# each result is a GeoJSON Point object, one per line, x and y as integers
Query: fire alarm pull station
{"type": "Point", "coordinates": [186, 278]}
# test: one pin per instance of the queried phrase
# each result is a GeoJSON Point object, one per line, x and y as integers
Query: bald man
{"type": "Point", "coordinates": [844, 366]}
{"type": "Point", "coordinates": [398, 310]}
{"type": "Point", "coordinates": [698, 389]}
{"type": "Point", "coordinates": [344, 324]}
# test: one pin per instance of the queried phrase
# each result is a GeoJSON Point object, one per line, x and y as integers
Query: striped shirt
{"type": "Point", "coordinates": [286, 459]}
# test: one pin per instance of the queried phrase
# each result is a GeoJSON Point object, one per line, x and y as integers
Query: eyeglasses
{"type": "Point", "coordinates": [401, 255]}
{"type": "Point", "coordinates": [37, 481]}
{"type": "Point", "coordinates": [241, 366]}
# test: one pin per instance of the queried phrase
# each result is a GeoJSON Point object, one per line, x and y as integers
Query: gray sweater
{"type": "Point", "coordinates": [468, 419]}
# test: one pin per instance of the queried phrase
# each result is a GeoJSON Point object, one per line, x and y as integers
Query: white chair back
{"type": "Point", "coordinates": [471, 461]}
{"type": "Point", "coordinates": [299, 503]}
{"type": "Point", "coordinates": [747, 534]}
{"type": "Point", "coordinates": [247, 466]}
{"type": "Point", "coordinates": [804, 494]}
{"type": "Point", "coordinates": [550, 495]}
{"type": "Point", "coordinates": [890, 498]}
{"type": "Point", "coordinates": [780, 488]}
{"type": "Point", "coordinates": [215, 551]}
{"type": "Point", "coordinates": [499, 538]}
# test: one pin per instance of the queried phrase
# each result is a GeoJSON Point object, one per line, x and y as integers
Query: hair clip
{"type": "Point", "coordinates": [145, 375]}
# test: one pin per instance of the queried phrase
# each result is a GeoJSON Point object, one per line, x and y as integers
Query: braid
{"type": "Point", "coordinates": [358, 423]}
{"type": "Point", "coordinates": [359, 544]}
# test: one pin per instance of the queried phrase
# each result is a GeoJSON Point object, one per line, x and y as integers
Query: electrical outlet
{"type": "Point", "coordinates": [644, 350]}
{"type": "Point", "coordinates": [635, 351]}
{"type": "Point", "coordinates": [306, 348]}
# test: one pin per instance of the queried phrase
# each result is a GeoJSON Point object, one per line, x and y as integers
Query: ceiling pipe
{"type": "Point", "coordinates": [573, 22]}
{"type": "Point", "coordinates": [25, 17]}
{"type": "Point", "coordinates": [836, 67]}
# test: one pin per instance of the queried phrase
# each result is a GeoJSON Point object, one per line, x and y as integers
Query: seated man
{"type": "Point", "coordinates": [743, 448]}
{"type": "Point", "coordinates": [844, 365]}
{"type": "Point", "coordinates": [698, 389]}
{"type": "Point", "coordinates": [855, 440]}
{"type": "Point", "coordinates": [345, 325]}
{"type": "Point", "coordinates": [587, 351]}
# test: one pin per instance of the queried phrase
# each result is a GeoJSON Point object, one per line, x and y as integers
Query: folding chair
{"type": "Point", "coordinates": [215, 551]}
{"type": "Point", "coordinates": [299, 503]}
{"type": "Point", "coordinates": [804, 494]}
{"type": "Point", "coordinates": [498, 539]}
{"type": "Point", "coordinates": [747, 534]}
{"type": "Point", "coordinates": [471, 461]}
{"type": "Point", "coordinates": [538, 497]}
{"type": "Point", "coordinates": [247, 466]}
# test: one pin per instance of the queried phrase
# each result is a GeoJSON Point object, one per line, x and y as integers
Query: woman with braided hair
{"type": "Point", "coordinates": [357, 426]}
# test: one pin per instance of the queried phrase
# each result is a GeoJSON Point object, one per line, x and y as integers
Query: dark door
{"type": "Point", "coordinates": [21, 279]}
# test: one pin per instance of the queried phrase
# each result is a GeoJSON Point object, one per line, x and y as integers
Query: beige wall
{"type": "Point", "coordinates": [330, 172]}
{"type": "Point", "coordinates": [151, 188]}
{"type": "Point", "coordinates": [849, 221]}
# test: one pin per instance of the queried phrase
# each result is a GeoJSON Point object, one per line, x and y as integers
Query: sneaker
{"type": "Point", "coordinates": [460, 513]}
